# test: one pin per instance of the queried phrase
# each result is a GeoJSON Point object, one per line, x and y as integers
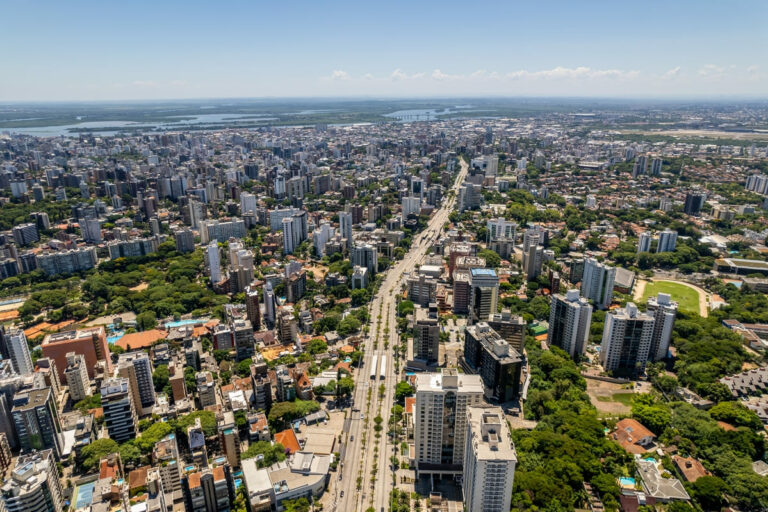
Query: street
{"type": "Point", "coordinates": [366, 457]}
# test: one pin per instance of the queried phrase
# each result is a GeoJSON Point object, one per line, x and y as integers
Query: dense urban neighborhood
{"type": "Point", "coordinates": [551, 309]}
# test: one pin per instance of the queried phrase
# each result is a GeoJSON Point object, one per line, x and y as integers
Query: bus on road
{"type": "Point", "coordinates": [373, 367]}
{"type": "Point", "coordinates": [383, 367]}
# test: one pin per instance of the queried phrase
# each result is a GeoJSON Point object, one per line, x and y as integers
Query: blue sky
{"type": "Point", "coordinates": [84, 50]}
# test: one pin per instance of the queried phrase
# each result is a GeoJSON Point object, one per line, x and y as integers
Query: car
{"type": "Point", "coordinates": [341, 494]}
{"type": "Point", "coordinates": [351, 438]}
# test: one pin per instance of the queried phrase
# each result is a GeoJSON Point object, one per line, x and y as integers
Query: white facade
{"type": "Point", "coordinates": [19, 352]}
{"type": "Point", "coordinates": [667, 241]}
{"type": "Point", "coordinates": [627, 340]}
{"type": "Point", "coordinates": [440, 418]}
{"type": "Point", "coordinates": [644, 242]}
{"type": "Point", "coordinates": [597, 283]}
{"type": "Point", "coordinates": [569, 320]}
{"type": "Point", "coordinates": [664, 311]}
{"type": "Point", "coordinates": [489, 461]}
{"type": "Point", "coordinates": [214, 261]}
{"type": "Point", "coordinates": [76, 374]}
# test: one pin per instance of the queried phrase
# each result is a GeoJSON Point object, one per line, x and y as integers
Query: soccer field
{"type": "Point", "coordinates": [686, 297]}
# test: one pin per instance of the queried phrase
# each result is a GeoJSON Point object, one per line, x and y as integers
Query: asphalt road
{"type": "Point", "coordinates": [358, 459]}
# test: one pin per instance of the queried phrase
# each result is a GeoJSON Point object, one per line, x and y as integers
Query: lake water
{"type": "Point", "coordinates": [178, 124]}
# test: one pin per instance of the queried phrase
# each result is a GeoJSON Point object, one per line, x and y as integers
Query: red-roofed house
{"type": "Point", "coordinates": [633, 436]}
{"type": "Point", "coordinates": [288, 439]}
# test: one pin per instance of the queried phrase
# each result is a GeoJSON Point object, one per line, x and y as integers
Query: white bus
{"type": "Point", "coordinates": [383, 367]}
{"type": "Point", "coordinates": [373, 366]}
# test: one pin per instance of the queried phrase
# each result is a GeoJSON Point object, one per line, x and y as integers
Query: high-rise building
{"type": "Point", "coordinates": [500, 229]}
{"type": "Point", "coordinates": [489, 461]}
{"type": "Point", "coordinates": [229, 439]}
{"type": "Point", "coordinates": [119, 411]}
{"type": "Point", "coordinates": [270, 306]}
{"type": "Point", "coordinates": [365, 255]}
{"type": "Point", "coordinates": [132, 248]}
{"type": "Point", "coordinates": [165, 455]}
{"type": "Point", "coordinates": [644, 242]}
{"type": "Point", "coordinates": [76, 375]}
{"type": "Point", "coordinates": [569, 320]}
{"type": "Point", "coordinates": [627, 339]}
{"type": "Point", "coordinates": [136, 367]}
{"type": "Point", "coordinates": [25, 234]}
{"type": "Point", "coordinates": [91, 230]}
{"type": "Point", "coordinates": [694, 201]}
{"type": "Point", "coordinates": [426, 334]}
{"type": "Point", "coordinates": [534, 259]}
{"type": "Point", "coordinates": [440, 419]}
{"type": "Point", "coordinates": [206, 389]}
{"type": "Point", "coordinates": [461, 291]}
{"type": "Point", "coordinates": [664, 311]}
{"type": "Point", "coordinates": [656, 167]}
{"type": "Point", "coordinates": [37, 421]}
{"type": "Point", "coordinates": [90, 342]}
{"type": "Point", "coordinates": [18, 351]}
{"type": "Point", "coordinates": [421, 288]}
{"type": "Point", "coordinates": [510, 327]}
{"type": "Point", "coordinates": [470, 196]}
{"type": "Point", "coordinates": [67, 262]}
{"type": "Point", "coordinates": [34, 485]}
{"type": "Point", "coordinates": [221, 231]}
{"type": "Point", "coordinates": [209, 490]}
{"type": "Point", "coordinates": [484, 292]}
{"type": "Point", "coordinates": [487, 354]}
{"type": "Point", "coordinates": [185, 240]}
{"type": "Point", "coordinates": [667, 241]}
{"type": "Point", "coordinates": [252, 308]}
{"type": "Point", "coordinates": [213, 262]}
{"type": "Point", "coordinates": [242, 334]}
{"type": "Point", "coordinates": [288, 235]}
{"type": "Point", "coordinates": [597, 283]}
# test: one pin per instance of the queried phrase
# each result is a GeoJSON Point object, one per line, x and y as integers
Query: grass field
{"type": "Point", "coordinates": [687, 298]}
{"type": "Point", "coordinates": [622, 398]}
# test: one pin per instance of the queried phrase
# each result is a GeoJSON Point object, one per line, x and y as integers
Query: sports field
{"type": "Point", "coordinates": [687, 297]}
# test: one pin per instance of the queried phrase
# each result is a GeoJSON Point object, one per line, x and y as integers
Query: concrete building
{"type": "Point", "coordinates": [426, 334]}
{"type": "Point", "coordinates": [209, 490]}
{"type": "Point", "coordinates": [510, 327]}
{"type": "Point", "coordinates": [213, 262]}
{"type": "Point", "coordinates": [597, 283]}
{"type": "Point", "coordinates": [667, 241]}
{"type": "Point", "coordinates": [119, 410]}
{"type": "Point", "coordinates": [136, 367]}
{"type": "Point", "coordinates": [165, 455]}
{"type": "Point", "coordinates": [365, 255]}
{"type": "Point", "coordinates": [694, 201]}
{"type": "Point", "coordinates": [185, 240]}
{"type": "Point", "coordinates": [663, 311]}
{"type": "Point", "coordinates": [34, 485]}
{"type": "Point", "coordinates": [37, 421]}
{"type": "Point", "coordinates": [132, 248]}
{"type": "Point", "coordinates": [489, 461]}
{"type": "Point", "coordinates": [421, 289]}
{"type": "Point", "coordinates": [569, 320]}
{"type": "Point", "coordinates": [18, 351]}
{"type": "Point", "coordinates": [489, 355]}
{"type": "Point", "coordinates": [461, 292]}
{"type": "Point", "coordinates": [206, 389]}
{"type": "Point", "coordinates": [644, 242]}
{"type": "Point", "coordinates": [252, 308]}
{"type": "Point", "coordinates": [76, 375]}
{"type": "Point", "coordinates": [484, 292]}
{"type": "Point", "coordinates": [90, 342]}
{"type": "Point", "coordinates": [221, 231]}
{"type": "Point", "coordinates": [440, 419]}
{"type": "Point", "coordinates": [627, 338]}
{"type": "Point", "coordinates": [67, 262]}
{"type": "Point", "coordinates": [25, 234]}
{"type": "Point", "coordinates": [500, 229]}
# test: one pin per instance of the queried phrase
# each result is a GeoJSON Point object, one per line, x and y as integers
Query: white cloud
{"type": "Point", "coordinates": [144, 83]}
{"type": "Point", "coordinates": [581, 72]}
{"type": "Point", "coordinates": [672, 73]}
{"type": "Point", "coordinates": [339, 75]}
{"type": "Point", "coordinates": [440, 76]}
{"type": "Point", "coordinates": [711, 70]}
{"type": "Point", "coordinates": [753, 69]}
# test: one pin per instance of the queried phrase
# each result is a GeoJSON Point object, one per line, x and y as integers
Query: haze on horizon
{"type": "Point", "coordinates": [236, 49]}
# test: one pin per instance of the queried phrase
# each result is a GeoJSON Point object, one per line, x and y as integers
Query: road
{"type": "Point", "coordinates": [366, 456]}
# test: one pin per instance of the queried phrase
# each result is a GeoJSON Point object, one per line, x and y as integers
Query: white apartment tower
{"type": "Point", "coordinates": [440, 419]}
{"type": "Point", "coordinates": [19, 352]}
{"type": "Point", "coordinates": [667, 241]}
{"type": "Point", "coordinates": [214, 261]}
{"type": "Point", "coordinates": [627, 338]}
{"type": "Point", "coordinates": [489, 461]}
{"type": "Point", "coordinates": [345, 227]}
{"type": "Point", "coordinates": [664, 311]}
{"type": "Point", "coordinates": [569, 320]}
{"type": "Point", "coordinates": [597, 283]}
{"type": "Point", "coordinates": [644, 242]}
{"type": "Point", "coordinates": [76, 374]}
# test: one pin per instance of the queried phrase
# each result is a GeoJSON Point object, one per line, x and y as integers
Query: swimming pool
{"type": "Point", "coordinates": [626, 481]}
{"type": "Point", "coordinates": [115, 337]}
{"type": "Point", "coordinates": [84, 495]}
{"type": "Point", "coordinates": [179, 323]}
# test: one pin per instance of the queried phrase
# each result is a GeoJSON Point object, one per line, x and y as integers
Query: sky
{"type": "Point", "coordinates": [168, 49]}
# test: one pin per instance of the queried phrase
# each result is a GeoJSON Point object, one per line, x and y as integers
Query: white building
{"type": "Point", "coordinates": [76, 374]}
{"type": "Point", "coordinates": [597, 283]}
{"type": "Point", "coordinates": [501, 229]}
{"type": "Point", "coordinates": [19, 352]}
{"type": "Point", "coordinates": [33, 485]}
{"type": "Point", "coordinates": [489, 461]}
{"type": "Point", "coordinates": [440, 419]}
{"type": "Point", "coordinates": [627, 340]}
{"type": "Point", "coordinates": [664, 311]}
{"type": "Point", "coordinates": [569, 320]}
{"type": "Point", "coordinates": [214, 261]}
{"type": "Point", "coordinates": [644, 242]}
{"type": "Point", "coordinates": [667, 241]}
{"type": "Point", "coordinates": [345, 227]}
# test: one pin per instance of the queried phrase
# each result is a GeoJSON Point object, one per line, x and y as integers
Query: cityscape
{"type": "Point", "coordinates": [448, 291]}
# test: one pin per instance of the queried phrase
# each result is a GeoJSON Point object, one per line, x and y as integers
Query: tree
{"type": "Point", "coordinates": [317, 346]}
{"type": "Point", "coordinates": [709, 491]}
{"type": "Point", "coordinates": [129, 453]}
{"type": "Point", "coordinates": [282, 413]}
{"type": "Point", "coordinates": [736, 414]}
{"type": "Point", "coordinates": [348, 326]}
{"type": "Point", "coordinates": [405, 308]}
{"type": "Point", "coordinates": [492, 258]}
{"type": "Point", "coordinates": [346, 386]}
{"type": "Point", "coordinates": [91, 454]}
{"type": "Point", "coordinates": [402, 390]}
{"type": "Point", "coordinates": [88, 403]}
{"type": "Point", "coordinates": [146, 320]}
{"type": "Point", "coordinates": [271, 453]}
{"type": "Point", "coordinates": [160, 377]}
